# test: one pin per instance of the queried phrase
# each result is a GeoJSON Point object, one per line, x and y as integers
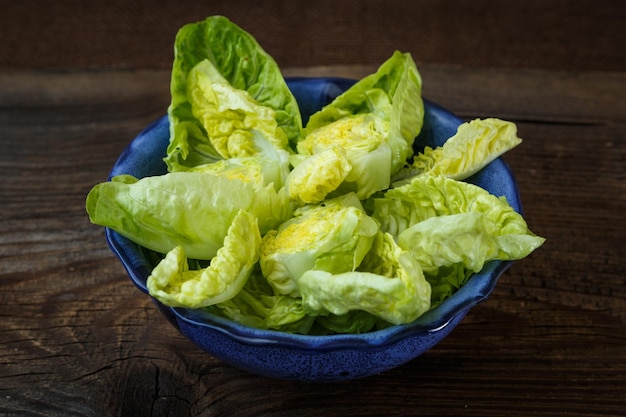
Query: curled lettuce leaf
{"type": "Point", "coordinates": [233, 120]}
{"type": "Point", "coordinates": [446, 282]}
{"type": "Point", "coordinates": [393, 93]}
{"type": "Point", "coordinates": [447, 240]}
{"type": "Point", "coordinates": [189, 209]}
{"type": "Point", "coordinates": [362, 140]}
{"type": "Point", "coordinates": [428, 196]}
{"type": "Point", "coordinates": [318, 175]}
{"type": "Point", "coordinates": [389, 284]}
{"type": "Point", "coordinates": [333, 236]}
{"type": "Point", "coordinates": [224, 84]}
{"type": "Point", "coordinates": [354, 321]}
{"type": "Point", "coordinates": [443, 221]}
{"type": "Point", "coordinates": [376, 121]}
{"type": "Point", "coordinates": [470, 149]}
{"type": "Point", "coordinates": [174, 284]}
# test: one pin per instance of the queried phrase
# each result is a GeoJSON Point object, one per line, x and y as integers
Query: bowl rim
{"type": "Point", "coordinates": [477, 289]}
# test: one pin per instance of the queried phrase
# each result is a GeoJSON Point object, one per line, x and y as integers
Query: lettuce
{"type": "Point", "coordinates": [430, 196]}
{"type": "Point", "coordinates": [257, 170]}
{"type": "Point", "coordinates": [189, 209]}
{"type": "Point", "coordinates": [444, 222]}
{"type": "Point", "coordinates": [314, 177]}
{"type": "Point", "coordinates": [393, 93]}
{"type": "Point", "coordinates": [366, 169]}
{"type": "Point", "coordinates": [333, 228]}
{"type": "Point", "coordinates": [470, 149]}
{"type": "Point", "coordinates": [389, 284]}
{"type": "Point", "coordinates": [354, 321]}
{"type": "Point", "coordinates": [228, 94]}
{"type": "Point", "coordinates": [375, 121]}
{"type": "Point", "coordinates": [256, 305]}
{"type": "Point", "coordinates": [236, 125]}
{"type": "Point", "coordinates": [333, 236]}
{"type": "Point", "coordinates": [462, 238]}
{"type": "Point", "coordinates": [172, 283]}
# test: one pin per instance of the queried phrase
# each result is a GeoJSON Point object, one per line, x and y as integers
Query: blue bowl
{"type": "Point", "coordinates": [305, 357]}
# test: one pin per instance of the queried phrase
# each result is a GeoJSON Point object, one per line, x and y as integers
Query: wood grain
{"type": "Point", "coordinates": [77, 339]}
{"type": "Point", "coordinates": [579, 35]}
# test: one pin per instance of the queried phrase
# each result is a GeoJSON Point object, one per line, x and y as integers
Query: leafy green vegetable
{"type": "Point", "coordinates": [390, 286]}
{"type": "Point", "coordinates": [446, 282]}
{"type": "Point", "coordinates": [354, 321]}
{"type": "Point", "coordinates": [224, 82]}
{"type": "Point", "coordinates": [333, 236]}
{"type": "Point", "coordinates": [316, 176]}
{"type": "Point", "coordinates": [375, 122]}
{"type": "Point", "coordinates": [334, 228]}
{"type": "Point", "coordinates": [256, 170]}
{"type": "Point", "coordinates": [393, 93]}
{"type": "Point", "coordinates": [256, 305]}
{"type": "Point", "coordinates": [189, 209]}
{"type": "Point", "coordinates": [366, 169]}
{"type": "Point", "coordinates": [175, 285]}
{"type": "Point", "coordinates": [444, 222]}
{"type": "Point", "coordinates": [475, 144]}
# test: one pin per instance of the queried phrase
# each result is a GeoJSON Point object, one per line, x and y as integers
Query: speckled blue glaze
{"type": "Point", "coordinates": [315, 358]}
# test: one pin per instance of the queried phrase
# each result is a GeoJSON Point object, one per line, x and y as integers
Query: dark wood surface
{"type": "Point", "coordinates": [578, 35]}
{"type": "Point", "coordinates": [78, 339]}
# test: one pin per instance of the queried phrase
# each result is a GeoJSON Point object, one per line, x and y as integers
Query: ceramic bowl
{"type": "Point", "coordinates": [305, 357]}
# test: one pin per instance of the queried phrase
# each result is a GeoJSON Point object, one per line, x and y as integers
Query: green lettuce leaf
{"type": "Point", "coordinates": [375, 121]}
{"type": "Point", "coordinates": [446, 282]}
{"type": "Point", "coordinates": [366, 169]}
{"type": "Point", "coordinates": [389, 284]}
{"type": "Point", "coordinates": [443, 221]}
{"type": "Point", "coordinates": [189, 209]}
{"type": "Point", "coordinates": [174, 284]}
{"type": "Point", "coordinates": [316, 176]}
{"type": "Point", "coordinates": [236, 125]}
{"type": "Point", "coordinates": [354, 321]}
{"type": "Point", "coordinates": [470, 149]}
{"type": "Point", "coordinates": [333, 236]}
{"type": "Point", "coordinates": [447, 240]}
{"type": "Point", "coordinates": [221, 74]}
{"type": "Point", "coordinates": [393, 93]}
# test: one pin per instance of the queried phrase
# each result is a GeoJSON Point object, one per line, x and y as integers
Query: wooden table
{"type": "Point", "coordinates": [78, 339]}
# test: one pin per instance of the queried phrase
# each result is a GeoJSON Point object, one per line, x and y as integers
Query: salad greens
{"type": "Point", "coordinates": [189, 209]}
{"type": "Point", "coordinates": [229, 98]}
{"type": "Point", "coordinates": [174, 284]}
{"type": "Point", "coordinates": [452, 228]}
{"type": "Point", "coordinates": [333, 227]}
{"type": "Point", "coordinates": [364, 136]}
{"type": "Point", "coordinates": [334, 237]}
{"type": "Point", "coordinates": [470, 149]}
{"type": "Point", "coordinates": [389, 284]}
